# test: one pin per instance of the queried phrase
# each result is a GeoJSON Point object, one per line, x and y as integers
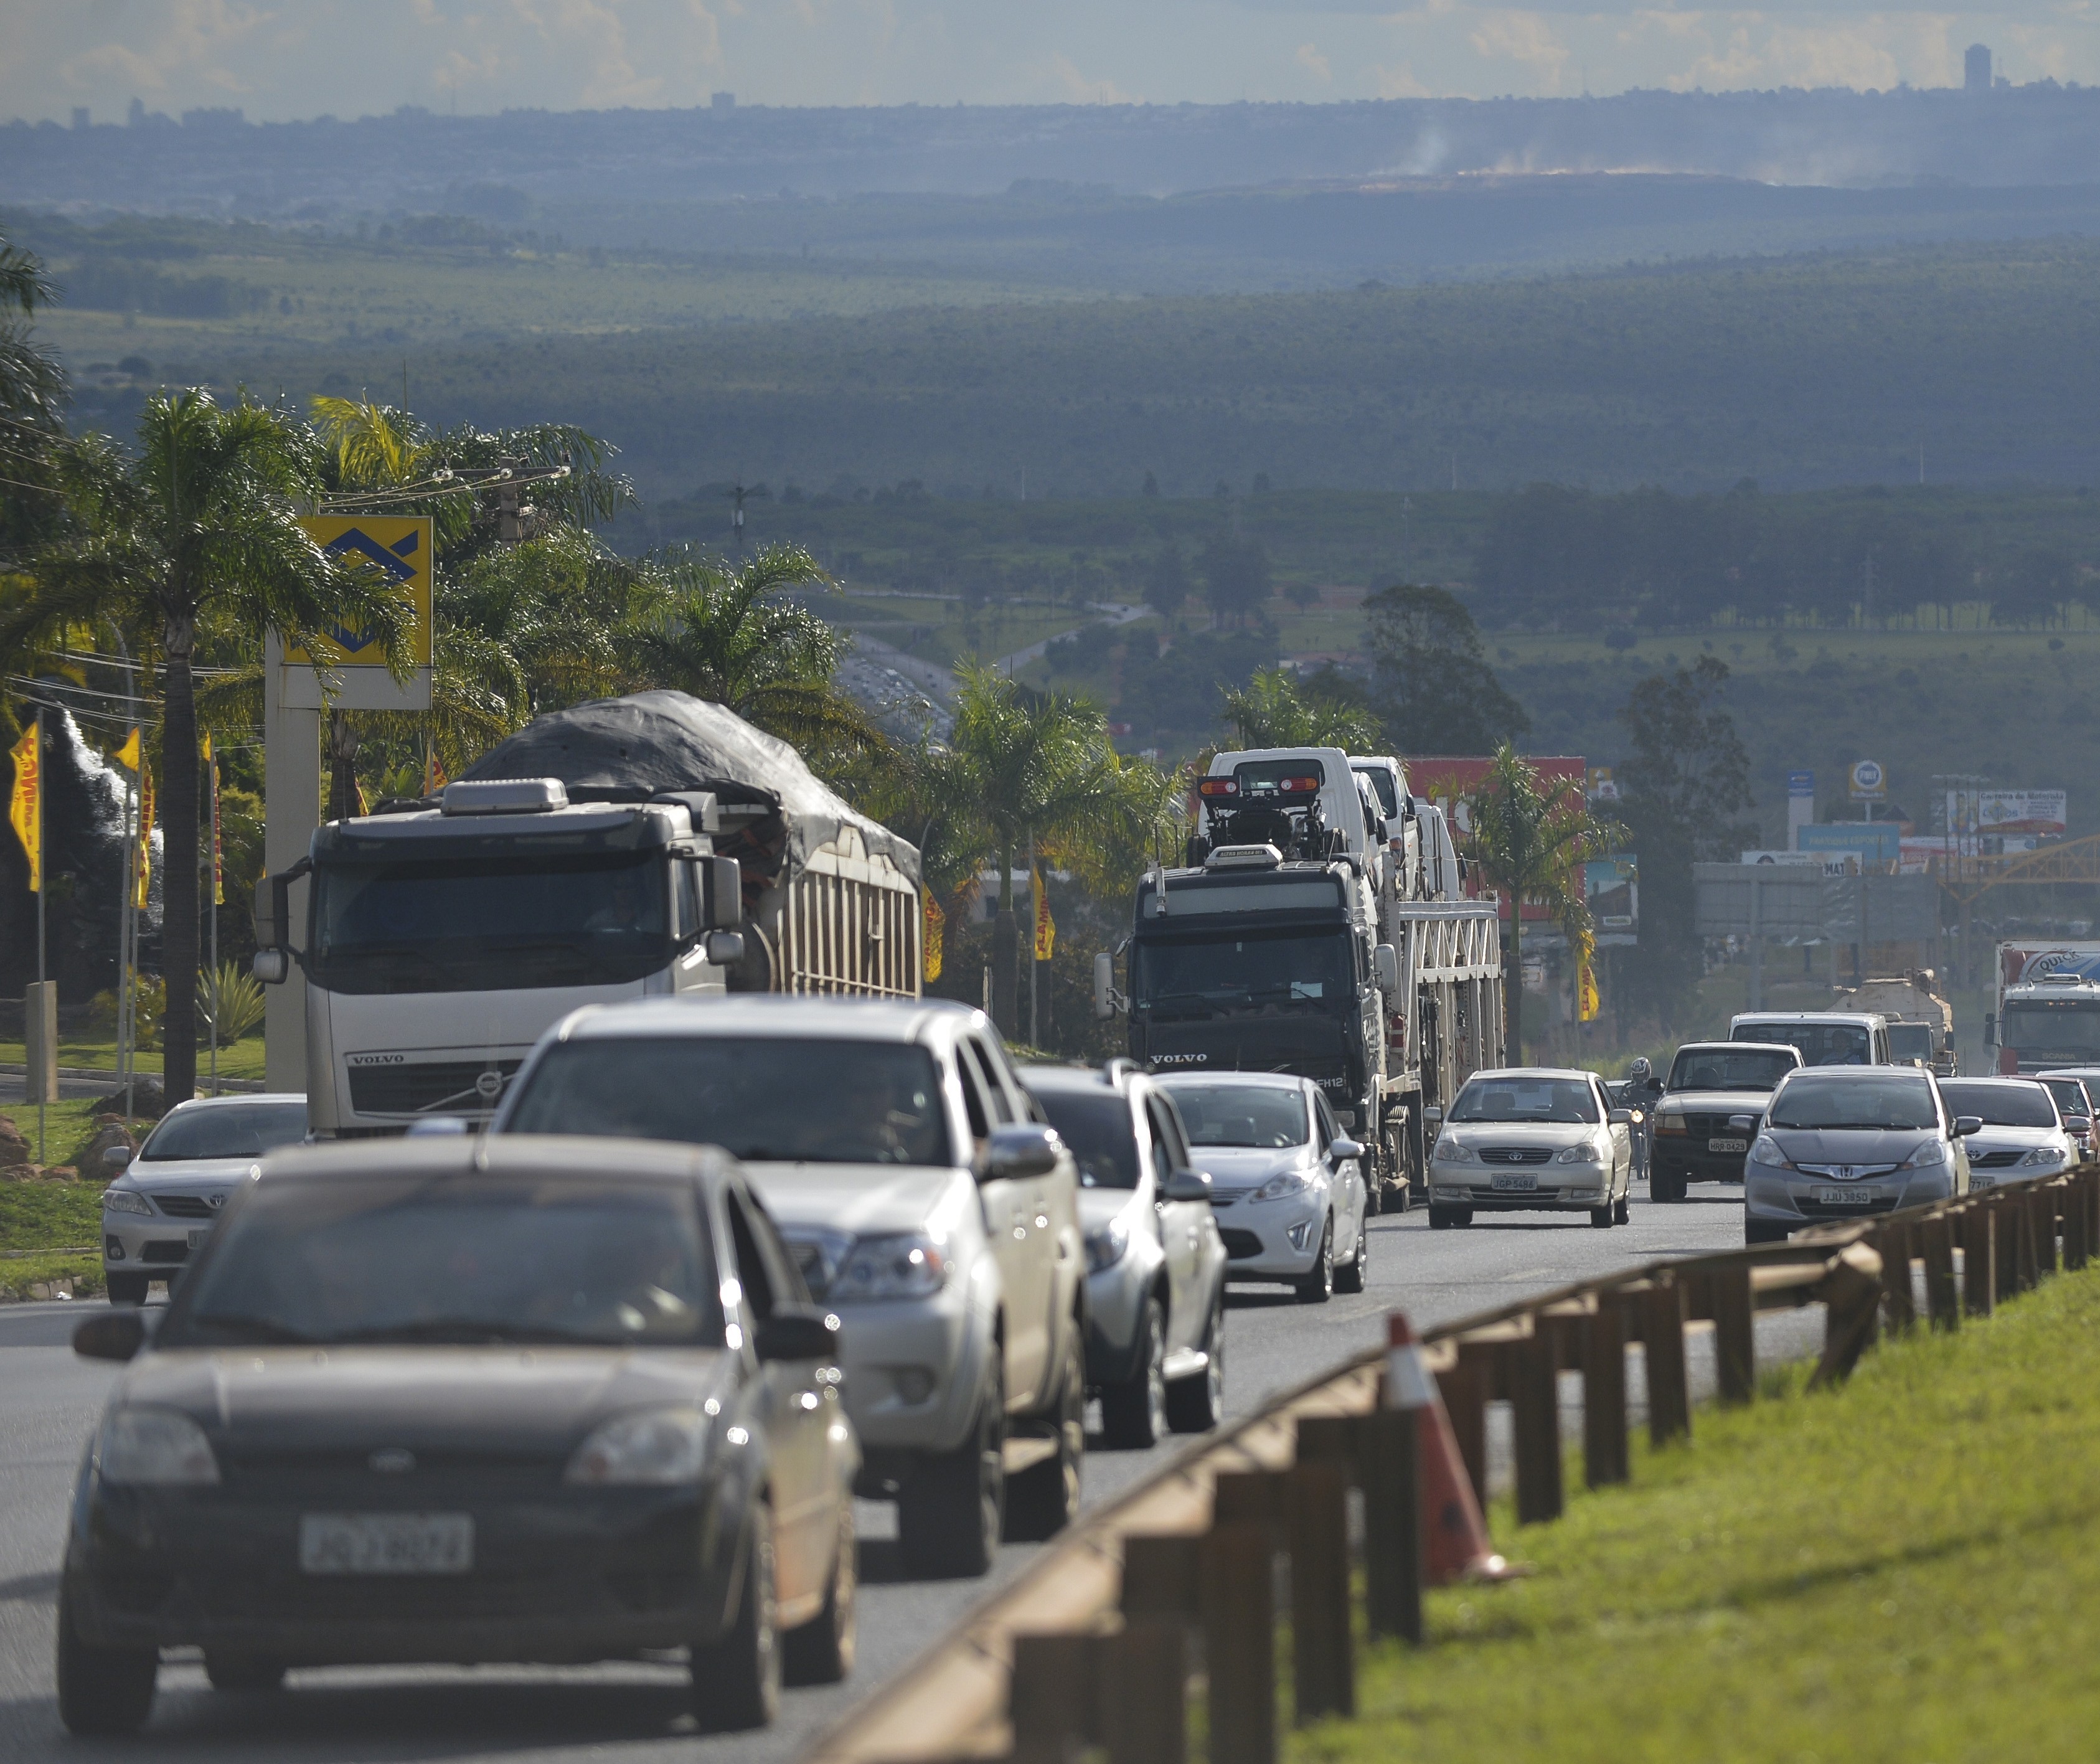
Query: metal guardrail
{"type": "Point", "coordinates": [1082, 1648]}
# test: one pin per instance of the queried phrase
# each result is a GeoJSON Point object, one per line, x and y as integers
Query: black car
{"type": "Point", "coordinates": [540, 1400]}
{"type": "Point", "coordinates": [1702, 1126]}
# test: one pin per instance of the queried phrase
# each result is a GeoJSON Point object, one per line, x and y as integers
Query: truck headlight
{"type": "Point", "coordinates": [653, 1448]}
{"type": "Point", "coordinates": [126, 1201]}
{"type": "Point", "coordinates": [1283, 1182]}
{"type": "Point", "coordinates": [1105, 1247]}
{"type": "Point", "coordinates": [906, 1265]}
{"type": "Point", "coordinates": [156, 1448]}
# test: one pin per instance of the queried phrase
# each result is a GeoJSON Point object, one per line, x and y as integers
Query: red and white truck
{"type": "Point", "coordinates": [2048, 1012]}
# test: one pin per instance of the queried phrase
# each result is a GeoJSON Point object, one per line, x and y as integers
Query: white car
{"type": "Point", "coordinates": [926, 1203]}
{"type": "Point", "coordinates": [169, 1197]}
{"type": "Point", "coordinates": [1287, 1185]}
{"type": "Point", "coordinates": [2022, 1134]}
{"type": "Point", "coordinates": [1529, 1139]}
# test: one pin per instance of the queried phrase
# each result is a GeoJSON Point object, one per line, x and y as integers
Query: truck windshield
{"type": "Point", "coordinates": [1911, 1041]}
{"type": "Point", "coordinates": [767, 1100]}
{"type": "Point", "coordinates": [1820, 1043]}
{"type": "Point", "coordinates": [2061, 1030]}
{"type": "Point", "coordinates": [1722, 1069]}
{"type": "Point", "coordinates": [489, 923]}
{"type": "Point", "coordinates": [1284, 971]}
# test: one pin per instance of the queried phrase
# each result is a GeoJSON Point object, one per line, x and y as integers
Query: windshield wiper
{"type": "Point", "coordinates": [260, 1329]}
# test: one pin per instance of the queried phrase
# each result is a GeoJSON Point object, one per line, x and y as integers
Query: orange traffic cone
{"type": "Point", "coordinates": [1455, 1536]}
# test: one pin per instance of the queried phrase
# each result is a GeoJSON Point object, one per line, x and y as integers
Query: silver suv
{"type": "Point", "coordinates": [927, 1203]}
{"type": "Point", "coordinates": [1155, 1262]}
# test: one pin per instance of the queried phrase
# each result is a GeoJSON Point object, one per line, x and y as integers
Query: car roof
{"type": "Point", "coordinates": [1738, 1047]}
{"type": "Point", "coordinates": [1532, 1071]}
{"type": "Point", "coordinates": [2089, 1073]}
{"type": "Point", "coordinates": [2007, 1078]}
{"type": "Point", "coordinates": [524, 1154]}
{"type": "Point", "coordinates": [1910, 1074]}
{"type": "Point", "coordinates": [776, 1016]}
{"type": "Point", "coordinates": [233, 1097]}
{"type": "Point", "coordinates": [1045, 1075]}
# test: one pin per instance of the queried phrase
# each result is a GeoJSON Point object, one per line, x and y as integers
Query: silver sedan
{"type": "Point", "coordinates": [1529, 1139]}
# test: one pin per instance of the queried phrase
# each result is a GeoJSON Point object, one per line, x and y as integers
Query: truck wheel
{"type": "Point", "coordinates": [821, 1651]}
{"type": "Point", "coordinates": [1317, 1285]}
{"type": "Point", "coordinates": [102, 1690]}
{"type": "Point", "coordinates": [1197, 1405]}
{"type": "Point", "coordinates": [736, 1679]}
{"type": "Point", "coordinates": [126, 1289]}
{"type": "Point", "coordinates": [1134, 1414]}
{"type": "Point", "coordinates": [951, 1509]}
{"type": "Point", "coordinates": [1044, 1499]}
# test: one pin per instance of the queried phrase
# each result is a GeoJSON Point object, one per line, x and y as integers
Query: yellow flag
{"type": "Point", "coordinates": [127, 755]}
{"type": "Point", "coordinates": [936, 923]}
{"type": "Point", "coordinates": [1586, 979]}
{"type": "Point", "coordinates": [434, 772]}
{"type": "Point", "coordinates": [145, 835]}
{"type": "Point", "coordinates": [1046, 927]}
{"type": "Point", "coordinates": [205, 751]}
{"type": "Point", "coordinates": [22, 809]}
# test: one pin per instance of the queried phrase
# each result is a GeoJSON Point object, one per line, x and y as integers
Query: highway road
{"type": "Point", "coordinates": [49, 1400]}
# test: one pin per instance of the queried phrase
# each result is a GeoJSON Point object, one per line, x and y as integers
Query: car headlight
{"type": "Point", "coordinates": [653, 1448]}
{"type": "Point", "coordinates": [1451, 1152]}
{"type": "Point", "coordinates": [126, 1201]}
{"type": "Point", "coordinates": [907, 1265]}
{"type": "Point", "coordinates": [1584, 1153]}
{"type": "Point", "coordinates": [156, 1448]}
{"type": "Point", "coordinates": [1105, 1247]}
{"type": "Point", "coordinates": [1927, 1156]}
{"type": "Point", "coordinates": [1765, 1150]}
{"type": "Point", "coordinates": [1283, 1182]}
{"type": "Point", "coordinates": [2041, 1157]}
{"type": "Point", "coordinates": [1670, 1124]}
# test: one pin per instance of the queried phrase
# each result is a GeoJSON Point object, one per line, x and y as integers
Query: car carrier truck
{"type": "Point", "coordinates": [629, 847]}
{"type": "Point", "coordinates": [1287, 942]}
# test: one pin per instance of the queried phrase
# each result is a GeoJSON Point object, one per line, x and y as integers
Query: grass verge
{"type": "Point", "coordinates": [242, 1058]}
{"type": "Point", "coordinates": [1898, 1570]}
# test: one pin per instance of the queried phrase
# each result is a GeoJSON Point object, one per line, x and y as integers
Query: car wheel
{"type": "Point", "coordinates": [821, 1651]}
{"type": "Point", "coordinates": [126, 1289]}
{"type": "Point", "coordinates": [1350, 1276]}
{"type": "Point", "coordinates": [1601, 1217]}
{"type": "Point", "coordinates": [243, 1672]}
{"type": "Point", "coordinates": [1663, 1187]}
{"type": "Point", "coordinates": [951, 1508]}
{"type": "Point", "coordinates": [736, 1679]}
{"type": "Point", "coordinates": [1442, 1218]}
{"type": "Point", "coordinates": [1318, 1286]}
{"type": "Point", "coordinates": [1763, 1231]}
{"type": "Point", "coordinates": [102, 1690]}
{"type": "Point", "coordinates": [1044, 1498]}
{"type": "Point", "coordinates": [1134, 1414]}
{"type": "Point", "coordinates": [1622, 1210]}
{"type": "Point", "coordinates": [1462, 1215]}
{"type": "Point", "coordinates": [1196, 1404]}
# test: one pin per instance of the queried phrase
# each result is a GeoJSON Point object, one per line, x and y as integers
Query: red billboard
{"type": "Point", "coordinates": [1447, 779]}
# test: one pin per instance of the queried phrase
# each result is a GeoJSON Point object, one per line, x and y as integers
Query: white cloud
{"type": "Point", "coordinates": [1310, 57]}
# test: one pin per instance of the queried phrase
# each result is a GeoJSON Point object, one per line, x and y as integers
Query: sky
{"type": "Point", "coordinates": [279, 59]}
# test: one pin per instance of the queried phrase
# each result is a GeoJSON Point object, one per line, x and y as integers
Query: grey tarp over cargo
{"type": "Point", "coordinates": [631, 747]}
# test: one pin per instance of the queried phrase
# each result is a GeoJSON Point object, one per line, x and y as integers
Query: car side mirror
{"type": "Point", "coordinates": [1621, 1118]}
{"type": "Point", "coordinates": [1340, 1150]}
{"type": "Point", "coordinates": [725, 948]}
{"type": "Point", "coordinates": [2078, 1123]}
{"type": "Point", "coordinates": [1016, 1153]}
{"type": "Point", "coordinates": [1966, 1125]}
{"type": "Point", "coordinates": [1185, 1185]}
{"type": "Point", "coordinates": [115, 1335]}
{"type": "Point", "coordinates": [798, 1332]}
{"type": "Point", "coordinates": [273, 966]}
{"type": "Point", "coordinates": [1742, 1124]}
{"type": "Point", "coordinates": [117, 1158]}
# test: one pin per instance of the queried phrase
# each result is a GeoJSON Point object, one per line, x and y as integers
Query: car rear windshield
{"type": "Point", "coordinates": [1565, 1099]}
{"type": "Point", "coordinates": [1267, 1116]}
{"type": "Point", "coordinates": [2001, 1104]}
{"type": "Point", "coordinates": [229, 1129]}
{"type": "Point", "coordinates": [1820, 1043]}
{"type": "Point", "coordinates": [1723, 1069]}
{"type": "Point", "coordinates": [456, 1259]}
{"type": "Point", "coordinates": [1097, 1125]}
{"type": "Point", "coordinates": [766, 1099]}
{"type": "Point", "coordinates": [1865, 1103]}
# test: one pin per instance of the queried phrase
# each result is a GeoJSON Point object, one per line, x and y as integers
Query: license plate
{"type": "Point", "coordinates": [199, 1235]}
{"type": "Point", "coordinates": [386, 1543]}
{"type": "Point", "coordinates": [1516, 1181]}
{"type": "Point", "coordinates": [1847, 1196]}
{"type": "Point", "coordinates": [1976, 1181]}
{"type": "Point", "coordinates": [1727, 1145]}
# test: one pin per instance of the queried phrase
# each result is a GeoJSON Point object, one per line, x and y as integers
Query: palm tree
{"type": "Point", "coordinates": [1529, 839]}
{"type": "Point", "coordinates": [729, 633]}
{"type": "Point", "coordinates": [1040, 764]}
{"type": "Point", "coordinates": [32, 389]}
{"type": "Point", "coordinates": [1274, 711]}
{"type": "Point", "coordinates": [202, 529]}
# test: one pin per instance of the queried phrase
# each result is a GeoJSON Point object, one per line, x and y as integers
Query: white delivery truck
{"type": "Point", "coordinates": [2047, 1006]}
{"type": "Point", "coordinates": [632, 848]}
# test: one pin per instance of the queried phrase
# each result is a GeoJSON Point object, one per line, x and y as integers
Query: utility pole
{"type": "Point", "coordinates": [736, 514]}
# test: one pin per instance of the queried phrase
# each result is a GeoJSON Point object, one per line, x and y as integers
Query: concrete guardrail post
{"type": "Point", "coordinates": [1735, 1334]}
{"type": "Point", "coordinates": [1668, 1396]}
{"type": "Point", "coordinates": [1979, 1260]}
{"type": "Point", "coordinates": [2076, 1249]}
{"type": "Point", "coordinates": [1604, 1459]}
{"type": "Point", "coordinates": [2011, 1261]}
{"type": "Point", "coordinates": [1535, 1417]}
{"type": "Point", "coordinates": [1898, 1298]}
{"type": "Point", "coordinates": [1145, 1694]}
{"type": "Point", "coordinates": [1943, 1300]}
{"type": "Point", "coordinates": [2043, 1207]}
{"type": "Point", "coordinates": [1239, 1643]}
{"type": "Point", "coordinates": [1322, 1639]}
{"type": "Point", "coordinates": [1052, 1697]}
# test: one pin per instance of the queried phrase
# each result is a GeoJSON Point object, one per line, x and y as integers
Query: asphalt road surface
{"type": "Point", "coordinates": [634, 1714]}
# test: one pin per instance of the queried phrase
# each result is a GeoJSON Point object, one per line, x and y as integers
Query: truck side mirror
{"type": "Point", "coordinates": [271, 967]}
{"type": "Point", "coordinates": [722, 881]}
{"type": "Point", "coordinates": [725, 948]}
{"type": "Point", "coordinates": [269, 927]}
{"type": "Point", "coordinates": [1990, 1028]}
{"type": "Point", "coordinates": [1385, 966]}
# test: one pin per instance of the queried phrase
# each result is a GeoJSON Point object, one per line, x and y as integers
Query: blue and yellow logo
{"type": "Point", "coordinates": [399, 547]}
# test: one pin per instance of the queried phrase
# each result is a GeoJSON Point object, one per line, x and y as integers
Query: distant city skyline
{"type": "Point", "coordinates": [300, 58]}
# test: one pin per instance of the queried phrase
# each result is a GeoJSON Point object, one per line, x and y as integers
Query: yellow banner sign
{"type": "Point", "coordinates": [397, 547]}
{"type": "Point", "coordinates": [1046, 927]}
{"type": "Point", "coordinates": [22, 810]}
{"type": "Point", "coordinates": [937, 923]}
